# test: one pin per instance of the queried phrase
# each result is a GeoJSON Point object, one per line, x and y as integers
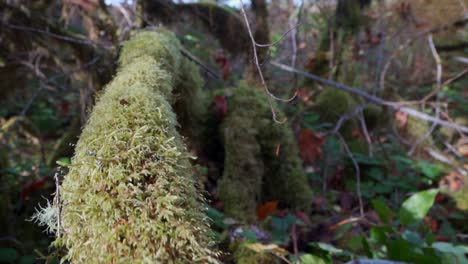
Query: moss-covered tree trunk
{"type": "Point", "coordinates": [261, 158]}
{"type": "Point", "coordinates": [129, 196]}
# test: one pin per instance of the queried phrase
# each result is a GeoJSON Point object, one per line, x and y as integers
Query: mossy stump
{"type": "Point", "coordinates": [129, 196]}
{"type": "Point", "coordinates": [261, 158]}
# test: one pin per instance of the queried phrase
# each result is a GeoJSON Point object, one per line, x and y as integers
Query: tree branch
{"type": "Point", "coordinates": [374, 99]}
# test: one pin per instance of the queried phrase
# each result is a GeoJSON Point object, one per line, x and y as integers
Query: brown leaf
{"type": "Point", "coordinates": [453, 180]}
{"type": "Point", "coordinates": [220, 106]}
{"type": "Point", "coordinates": [310, 146]}
{"type": "Point", "coordinates": [303, 217]}
{"type": "Point", "coordinates": [401, 118]}
{"type": "Point", "coordinates": [266, 209]}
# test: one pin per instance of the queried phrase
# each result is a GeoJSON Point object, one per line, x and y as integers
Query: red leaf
{"type": "Point", "coordinates": [224, 64]}
{"type": "Point", "coordinates": [310, 146]}
{"type": "Point", "coordinates": [220, 106]}
{"type": "Point", "coordinates": [32, 186]}
{"type": "Point", "coordinates": [402, 118]}
{"type": "Point", "coordinates": [304, 218]}
{"type": "Point", "coordinates": [454, 180]}
{"type": "Point", "coordinates": [266, 209]}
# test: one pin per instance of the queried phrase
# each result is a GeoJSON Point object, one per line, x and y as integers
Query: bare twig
{"type": "Point", "coordinates": [403, 46]}
{"type": "Point", "coordinates": [347, 116]}
{"type": "Point", "coordinates": [436, 91]}
{"type": "Point", "coordinates": [377, 100]}
{"type": "Point", "coordinates": [193, 58]}
{"type": "Point", "coordinates": [358, 173]}
{"type": "Point", "coordinates": [365, 131]}
{"type": "Point", "coordinates": [266, 45]}
{"type": "Point", "coordinates": [295, 38]}
{"type": "Point", "coordinates": [260, 73]}
{"type": "Point", "coordinates": [447, 82]}
{"type": "Point", "coordinates": [294, 240]}
{"type": "Point", "coordinates": [58, 204]}
{"type": "Point", "coordinates": [54, 35]}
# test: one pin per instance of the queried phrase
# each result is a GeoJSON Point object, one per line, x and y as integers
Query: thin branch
{"type": "Point", "coordinates": [53, 35]}
{"type": "Point", "coordinates": [436, 91]}
{"type": "Point", "coordinates": [260, 73]}
{"type": "Point", "coordinates": [295, 38]}
{"type": "Point", "coordinates": [358, 174]}
{"type": "Point", "coordinates": [447, 82]}
{"type": "Point", "coordinates": [58, 204]}
{"type": "Point", "coordinates": [377, 100]}
{"type": "Point", "coordinates": [193, 58]}
{"type": "Point", "coordinates": [458, 23]}
{"type": "Point", "coordinates": [256, 61]}
{"type": "Point", "coordinates": [365, 131]}
{"type": "Point", "coordinates": [279, 40]}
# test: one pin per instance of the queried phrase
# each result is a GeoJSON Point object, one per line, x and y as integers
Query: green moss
{"type": "Point", "coordinates": [253, 172]}
{"type": "Point", "coordinates": [191, 104]}
{"type": "Point", "coordinates": [416, 130]}
{"type": "Point", "coordinates": [129, 196]}
{"type": "Point", "coordinates": [163, 46]}
{"type": "Point", "coordinates": [332, 104]}
{"type": "Point", "coordinates": [244, 255]}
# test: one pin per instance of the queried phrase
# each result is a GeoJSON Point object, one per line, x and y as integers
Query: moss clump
{"type": "Point", "coordinates": [333, 103]}
{"type": "Point", "coordinates": [129, 196]}
{"type": "Point", "coordinates": [253, 171]}
{"type": "Point", "coordinates": [191, 104]}
{"type": "Point", "coordinates": [244, 255]}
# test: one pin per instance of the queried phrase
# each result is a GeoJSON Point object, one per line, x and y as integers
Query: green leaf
{"type": "Point", "coordinates": [413, 237]}
{"type": "Point", "coordinates": [311, 259]}
{"type": "Point", "coordinates": [331, 249]}
{"type": "Point", "coordinates": [28, 259]}
{"type": "Point", "coordinates": [379, 233]}
{"type": "Point", "coordinates": [8, 255]}
{"type": "Point", "coordinates": [416, 207]}
{"type": "Point", "coordinates": [452, 251]}
{"type": "Point", "coordinates": [383, 211]}
{"type": "Point", "coordinates": [432, 171]}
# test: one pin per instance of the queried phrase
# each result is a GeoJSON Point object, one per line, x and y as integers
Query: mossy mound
{"type": "Point", "coordinates": [129, 196]}
{"type": "Point", "coordinates": [244, 255]}
{"type": "Point", "coordinates": [261, 158]}
{"type": "Point", "coordinates": [332, 104]}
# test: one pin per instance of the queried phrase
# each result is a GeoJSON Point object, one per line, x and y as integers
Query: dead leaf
{"type": "Point", "coordinates": [310, 146]}
{"type": "Point", "coordinates": [304, 94]}
{"type": "Point", "coordinates": [401, 118]}
{"type": "Point", "coordinates": [432, 223]}
{"type": "Point", "coordinates": [266, 209]}
{"type": "Point", "coordinates": [453, 180]}
{"type": "Point", "coordinates": [303, 217]}
{"type": "Point", "coordinates": [463, 150]}
{"type": "Point", "coordinates": [261, 248]}
{"type": "Point", "coordinates": [220, 106]}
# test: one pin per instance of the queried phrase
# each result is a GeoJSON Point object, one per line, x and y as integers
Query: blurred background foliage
{"type": "Point", "coordinates": [385, 185]}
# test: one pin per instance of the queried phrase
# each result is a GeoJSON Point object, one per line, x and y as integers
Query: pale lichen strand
{"type": "Point", "coordinates": [254, 170]}
{"type": "Point", "coordinates": [129, 196]}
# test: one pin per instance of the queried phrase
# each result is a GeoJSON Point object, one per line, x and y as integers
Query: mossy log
{"type": "Point", "coordinates": [261, 158]}
{"type": "Point", "coordinates": [130, 196]}
{"type": "Point", "coordinates": [223, 23]}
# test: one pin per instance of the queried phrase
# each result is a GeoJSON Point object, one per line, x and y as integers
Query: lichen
{"type": "Point", "coordinates": [254, 170]}
{"type": "Point", "coordinates": [129, 196]}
